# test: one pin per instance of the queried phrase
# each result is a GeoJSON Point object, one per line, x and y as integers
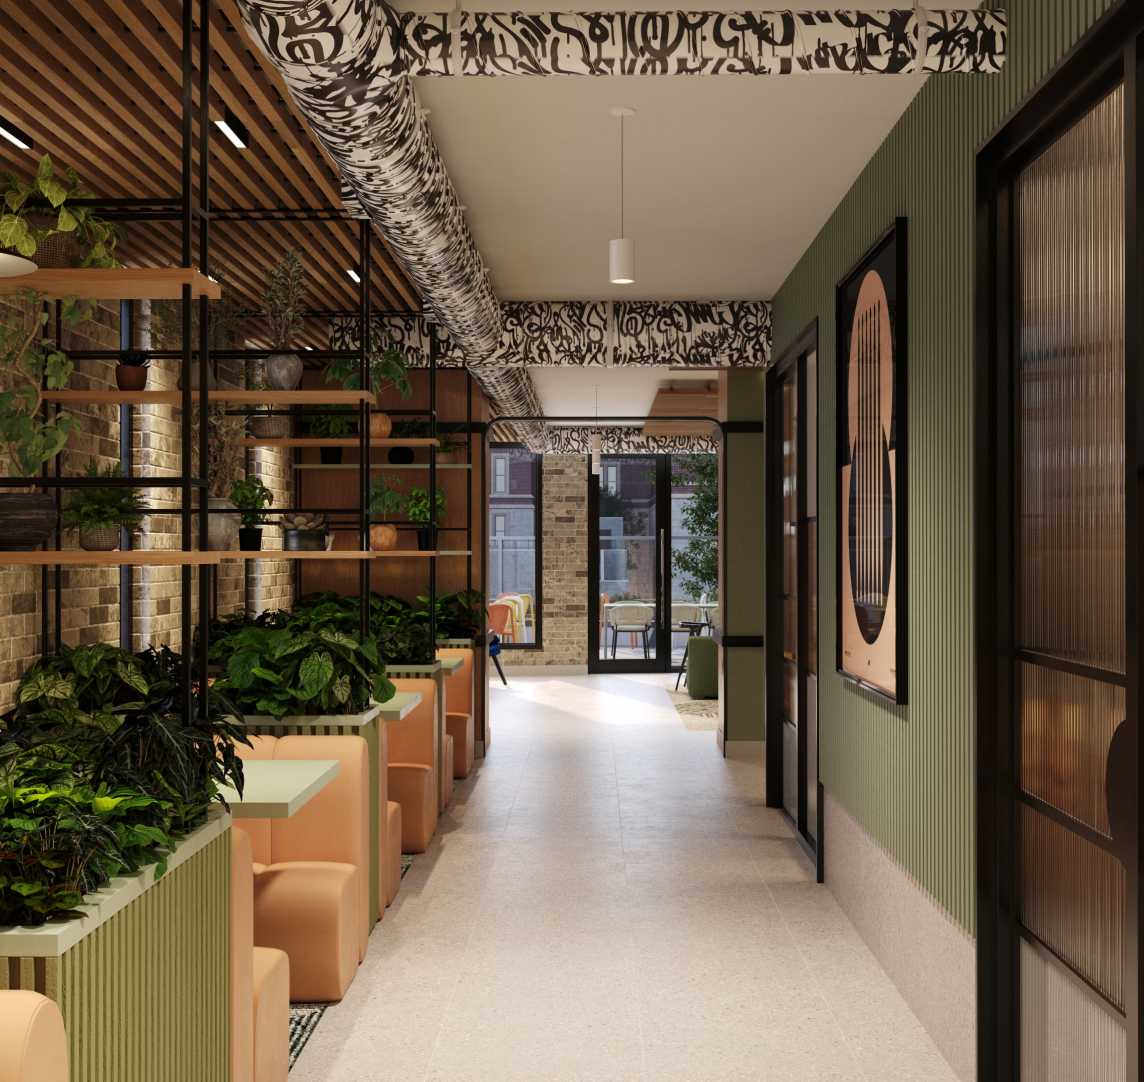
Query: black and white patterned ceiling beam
{"type": "Point", "coordinates": [782, 42]}
{"type": "Point", "coordinates": [550, 334]}
{"type": "Point", "coordinates": [620, 440]}
{"type": "Point", "coordinates": [331, 54]}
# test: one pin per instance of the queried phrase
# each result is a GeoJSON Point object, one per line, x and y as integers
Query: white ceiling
{"type": "Point", "coordinates": [622, 391]}
{"type": "Point", "coordinates": [728, 179]}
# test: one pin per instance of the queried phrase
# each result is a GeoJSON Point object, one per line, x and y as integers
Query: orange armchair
{"type": "Point", "coordinates": [413, 766]}
{"type": "Point", "coordinates": [459, 710]}
{"type": "Point", "coordinates": [259, 984]}
{"type": "Point", "coordinates": [33, 1044]}
{"type": "Point", "coordinates": [311, 886]}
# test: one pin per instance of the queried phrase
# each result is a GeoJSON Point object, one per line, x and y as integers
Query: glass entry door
{"type": "Point", "coordinates": [653, 543]}
{"type": "Point", "coordinates": [626, 564]}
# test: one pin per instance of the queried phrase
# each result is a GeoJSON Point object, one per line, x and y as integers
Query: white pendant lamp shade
{"type": "Point", "coordinates": [15, 266]}
{"type": "Point", "coordinates": [622, 261]}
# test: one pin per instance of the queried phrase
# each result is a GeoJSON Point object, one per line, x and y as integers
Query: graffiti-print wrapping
{"type": "Point", "coordinates": [617, 440]}
{"type": "Point", "coordinates": [783, 42]}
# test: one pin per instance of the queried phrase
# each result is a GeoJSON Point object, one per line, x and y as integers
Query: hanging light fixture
{"type": "Point", "coordinates": [15, 266]}
{"type": "Point", "coordinates": [621, 250]}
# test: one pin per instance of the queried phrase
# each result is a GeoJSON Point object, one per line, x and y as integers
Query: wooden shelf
{"type": "Point", "coordinates": [286, 554]}
{"type": "Point", "coordinates": [404, 554]}
{"type": "Point", "coordinates": [381, 466]}
{"type": "Point", "coordinates": [132, 558]}
{"type": "Point", "coordinates": [115, 283]}
{"type": "Point", "coordinates": [339, 441]}
{"type": "Point", "coordinates": [455, 552]}
{"type": "Point", "coordinates": [241, 398]}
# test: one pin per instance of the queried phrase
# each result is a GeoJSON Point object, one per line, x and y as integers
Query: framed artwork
{"type": "Point", "coordinates": [870, 329]}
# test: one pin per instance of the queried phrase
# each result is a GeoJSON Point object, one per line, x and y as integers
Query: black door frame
{"type": "Point", "coordinates": [790, 361]}
{"type": "Point", "coordinates": [660, 660]}
{"type": "Point", "coordinates": [1110, 53]}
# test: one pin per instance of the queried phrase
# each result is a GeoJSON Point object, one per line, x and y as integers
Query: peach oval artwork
{"type": "Point", "coordinates": [869, 492]}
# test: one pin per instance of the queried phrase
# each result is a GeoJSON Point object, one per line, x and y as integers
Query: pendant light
{"type": "Point", "coordinates": [15, 266]}
{"type": "Point", "coordinates": [622, 250]}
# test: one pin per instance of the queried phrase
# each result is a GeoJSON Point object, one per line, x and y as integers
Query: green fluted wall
{"type": "Point", "coordinates": [146, 996]}
{"type": "Point", "coordinates": [906, 774]}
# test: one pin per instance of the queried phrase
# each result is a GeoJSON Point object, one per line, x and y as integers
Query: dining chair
{"type": "Point", "coordinates": [630, 620]}
{"type": "Point", "coordinates": [501, 621]}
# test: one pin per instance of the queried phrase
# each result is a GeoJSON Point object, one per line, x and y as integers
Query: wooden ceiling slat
{"type": "Point", "coordinates": [92, 119]}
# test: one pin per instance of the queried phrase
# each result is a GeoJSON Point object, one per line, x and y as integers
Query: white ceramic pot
{"type": "Point", "coordinates": [284, 371]}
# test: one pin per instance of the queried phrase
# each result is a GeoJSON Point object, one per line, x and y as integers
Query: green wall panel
{"type": "Point", "coordinates": [906, 774]}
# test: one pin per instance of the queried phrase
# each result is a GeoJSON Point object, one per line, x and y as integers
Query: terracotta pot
{"type": "Point", "coordinates": [380, 426]}
{"type": "Point", "coordinates": [130, 377]}
{"type": "Point", "coordinates": [382, 536]}
{"type": "Point", "coordinates": [99, 538]}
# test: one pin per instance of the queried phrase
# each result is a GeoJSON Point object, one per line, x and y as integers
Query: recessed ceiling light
{"type": "Point", "coordinates": [234, 130]}
{"type": "Point", "coordinates": [13, 134]}
{"type": "Point", "coordinates": [354, 275]}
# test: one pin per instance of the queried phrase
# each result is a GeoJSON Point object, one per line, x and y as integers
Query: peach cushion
{"type": "Point", "coordinates": [241, 957]}
{"type": "Point", "coordinates": [411, 786]}
{"type": "Point", "coordinates": [461, 728]}
{"type": "Point", "coordinates": [392, 866]}
{"type": "Point", "coordinates": [258, 830]}
{"type": "Point", "coordinates": [334, 826]}
{"type": "Point", "coordinates": [312, 911]}
{"type": "Point", "coordinates": [411, 738]}
{"type": "Point", "coordinates": [271, 1015]}
{"type": "Point", "coordinates": [447, 772]}
{"type": "Point", "coordinates": [33, 1044]}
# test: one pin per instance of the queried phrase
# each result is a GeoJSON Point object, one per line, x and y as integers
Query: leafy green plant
{"type": "Point", "coordinates": [400, 629]}
{"type": "Point", "coordinates": [306, 667]}
{"type": "Point", "coordinates": [29, 363]}
{"type": "Point", "coordinates": [418, 505]}
{"type": "Point", "coordinates": [387, 368]}
{"type": "Point", "coordinates": [460, 615]}
{"type": "Point", "coordinates": [446, 439]}
{"type": "Point", "coordinates": [250, 496]}
{"type": "Point", "coordinates": [331, 425]}
{"type": "Point", "coordinates": [89, 508]}
{"type": "Point", "coordinates": [697, 561]}
{"type": "Point", "coordinates": [134, 358]}
{"type": "Point", "coordinates": [26, 224]}
{"type": "Point", "coordinates": [385, 499]}
{"type": "Point", "coordinates": [285, 294]}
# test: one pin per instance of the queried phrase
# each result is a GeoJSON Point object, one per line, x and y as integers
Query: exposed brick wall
{"type": "Point", "coordinates": [564, 576]}
{"type": "Point", "coordinates": [90, 610]}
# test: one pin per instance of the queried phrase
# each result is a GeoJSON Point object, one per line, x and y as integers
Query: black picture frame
{"type": "Point", "coordinates": [888, 258]}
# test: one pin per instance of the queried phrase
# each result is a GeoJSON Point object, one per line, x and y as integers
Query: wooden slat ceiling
{"type": "Point", "coordinates": [98, 85]}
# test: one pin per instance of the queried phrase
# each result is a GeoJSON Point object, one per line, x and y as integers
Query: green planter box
{"type": "Point", "coordinates": [143, 978]}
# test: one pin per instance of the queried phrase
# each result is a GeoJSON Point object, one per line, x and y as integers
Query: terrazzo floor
{"type": "Point", "coordinates": [608, 899]}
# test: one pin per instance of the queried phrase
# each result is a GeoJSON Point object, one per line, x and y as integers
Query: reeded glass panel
{"type": "Point", "coordinates": [811, 367]}
{"type": "Point", "coordinates": [1070, 337]}
{"type": "Point", "coordinates": [1073, 898]}
{"type": "Point", "coordinates": [1067, 723]}
{"type": "Point", "coordinates": [1067, 1034]}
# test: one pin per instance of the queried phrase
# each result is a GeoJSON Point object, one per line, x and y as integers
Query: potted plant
{"type": "Point", "coordinates": [265, 425]}
{"type": "Point", "coordinates": [43, 220]}
{"type": "Point", "coordinates": [131, 372]}
{"type": "Point", "coordinates": [251, 496]}
{"type": "Point", "coordinates": [101, 512]}
{"type": "Point", "coordinates": [224, 330]}
{"type": "Point", "coordinates": [285, 291]}
{"type": "Point", "coordinates": [334, 424]}
{"type": "Point", "coordinates": [387, 368]}
{"type": "Point", "coordinates": [304, 532]}
{"type": "Point", "coordinates": [384, 500]}
{"type": "Point", "coordinates": [29, 362]}
{"type": "Point", "coordinates": [419, 512]}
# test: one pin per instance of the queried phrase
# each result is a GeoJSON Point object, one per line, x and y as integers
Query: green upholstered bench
{"type": "Point", "coordinates": [702, 680]}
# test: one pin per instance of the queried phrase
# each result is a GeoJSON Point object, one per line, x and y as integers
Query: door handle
{"type": "Point", "coordinates": [661, 621]}
{"type": "Point", "coordinates": [1119, 791]}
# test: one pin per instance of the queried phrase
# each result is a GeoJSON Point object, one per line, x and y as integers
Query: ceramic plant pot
{"type": "Point", "coordinates": [130, 377]}
{"type": "Point", "coordinates": [380, 426]}
{"type": "Point", "coordinates": [26, 520]}
{"type": "Point", "coordinates": [382, 536]}
{"type": "Point", "coordinates": [304, 540]}
{"type": "Point", "coordinates": [400, 456]}
{"type": "Point", "coordinates": [330, 456]}
{"type": "Point", "coordinates": [222, 530]}
{"type": "Point", "coordinates": [250, 539]}
{"type": "Point", "coordinates": [99, 538]}
{"type": "Point", "coordinates": [427, 538]}
{"type": "Point", "coordinates": [284, 371]}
